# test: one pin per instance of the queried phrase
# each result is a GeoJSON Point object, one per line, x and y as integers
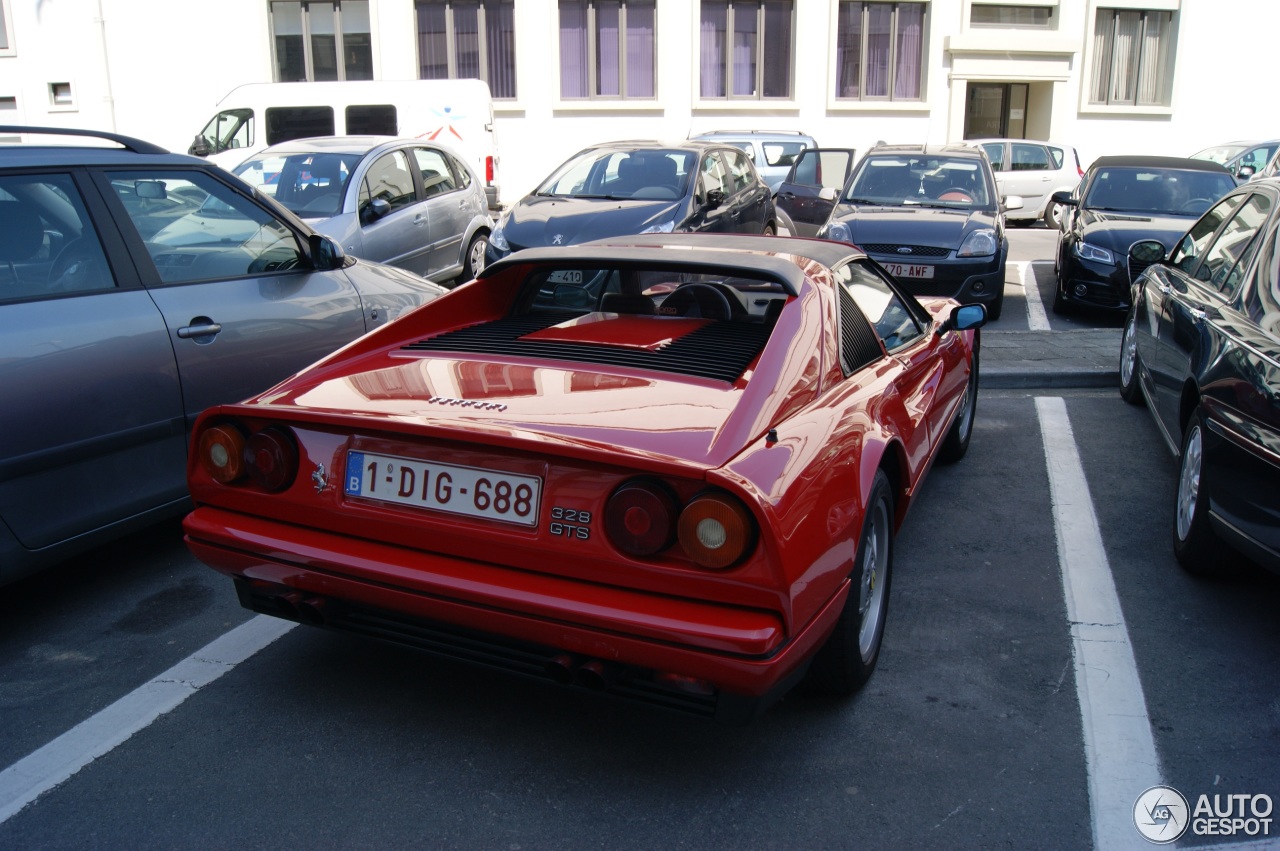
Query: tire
{"type": "Point", "coordinates": [474, 260]}
{"type": "Point", "coordinates": [845, 663]}
{"type": "Point", "coordinates": [1130, 390]}
{"type": "Point", "coordinates": [1196, 545]}
{"type": "Point", "coordinates": [769, 230]}
{"type": "Point", "coordinates": [1060, 305]}
{"type": "Point", "coordinates": [1053, 215]}
{"type": "Point", "coordinates": [956, 443]}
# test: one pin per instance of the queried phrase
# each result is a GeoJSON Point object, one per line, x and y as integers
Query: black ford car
{"type": "Point", "coordinates": [1201, 346]}
{"type": "Point", "coordinates": [624, 188]}
{"type": "Point", "coordinates": [1119, 202]}
{"type": "Point", "coordinates": [932, 217]}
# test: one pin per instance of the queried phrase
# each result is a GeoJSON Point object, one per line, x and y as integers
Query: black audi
{"type": "Point", "coordinates": [624, 188]}
{"type": "Point", "coordinates": [1119, 202]}
{"type": "Point", "coordinates": [1201, 346]}
{"type": "Point", "coordinates": [932, 217]}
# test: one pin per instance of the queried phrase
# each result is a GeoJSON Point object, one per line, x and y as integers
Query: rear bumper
{"type": "Point", "coordinates": [690, 655]}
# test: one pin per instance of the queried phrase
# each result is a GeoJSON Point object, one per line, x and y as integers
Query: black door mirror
{"type": "Point", "coordinates": [200, 147]}
{"type": "Point", "coordinates": [1063, 196]}
{"type": "Point", "coordinates": [326, 253]}
{"type": "Point", "coordinates": [715, 198]}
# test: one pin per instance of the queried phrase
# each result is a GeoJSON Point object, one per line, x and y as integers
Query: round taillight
{"type": "Point", "coordinates": [222, 453]}
{"type": "Point", "coordinates": [640, 518]}
{"type": "Point", "coordinates": [715, 530]}
{"type": "Point", "coordinates": [271, 459]}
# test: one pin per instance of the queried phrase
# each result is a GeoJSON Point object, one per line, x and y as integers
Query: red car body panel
{"type": "Point", "coordinates": [793, 438]}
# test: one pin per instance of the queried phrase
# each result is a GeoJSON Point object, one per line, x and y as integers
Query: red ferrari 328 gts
{"type": "Point", "coordinates": [669, 467]}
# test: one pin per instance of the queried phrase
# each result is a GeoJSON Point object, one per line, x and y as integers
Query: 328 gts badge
{"type": "Point", "coordinates": [570, 523]}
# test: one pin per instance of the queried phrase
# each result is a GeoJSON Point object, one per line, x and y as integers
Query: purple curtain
{"type": "Point", "coordinates": [714, 20]}
{"type": "Point", "coordinates": [573, 49]}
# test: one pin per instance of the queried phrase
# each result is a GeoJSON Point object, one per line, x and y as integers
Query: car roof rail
{"type": "Point", "coordinates": [129, 143]}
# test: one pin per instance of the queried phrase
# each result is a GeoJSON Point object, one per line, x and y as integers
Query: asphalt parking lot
{"type": "Point", "coordinates": [1002, 714]}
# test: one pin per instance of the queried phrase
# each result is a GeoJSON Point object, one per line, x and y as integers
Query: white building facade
{"type": "Point", "coordinates": [1107, 76]}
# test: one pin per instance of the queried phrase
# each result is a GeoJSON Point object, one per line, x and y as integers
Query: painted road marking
{"type": "Point", "coordinates": [1037, 318]}
{"type": "Point", "coordinates": [1120, 751]}
{"type": "Point", "coordinates": [42, 770]}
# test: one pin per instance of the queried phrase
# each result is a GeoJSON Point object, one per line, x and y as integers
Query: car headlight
{"type": "Point", "coordinates": [1085, 251]}
{"type": "Point", "coordinates": [665, 227]}
{"type": "Point", "coordinates": [980, 243]}
{"type": "Point", "coordinates": [837, 231]}
{"type": "Point", "coordinates": [497, 238]}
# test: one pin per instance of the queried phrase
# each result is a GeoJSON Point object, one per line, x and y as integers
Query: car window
{"type": "Point", "coordinates": [995, 153]}
{"type": "Point", "coordinates": [48, 245]}
{"type": "Point", "coordinates": [941, 181]}
{"type": "Point", "coordinates": [309, 184]}
{"type": "Point", "coordinates": [741, 174]}
{"type": "Point", "coordinates": [782, 154]}
{"type": "Point", "coordinates": [887, 313]}
{"type": "Point", "coordinates": [1059, 156]}
{"type": "Point", "coordinates": [390, 180]}
{"type": "Point", "coordinates": [713, 176]}
{"type": "Point", "coordinates": [1224, 261]}
{"type": "Point", "coordinates": [1262, 300]}
{"type": "Point", "coordinates": [461, 173]}
{"type": "Point", "coordinates": [1028, 157]}
{"type": "Point", "coordinates": [1187, 255]}
{"type": "Point", "coordinates": [437, 177]}
{"type": "Point", "coordinates": [197, 228]}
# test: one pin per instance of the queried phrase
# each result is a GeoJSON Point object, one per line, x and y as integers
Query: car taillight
{"type": "Point", "coordinates": [222, 453]}
{"type": "Point", "coordinates": [715, 530]}
{"type": "Point", "coordinates": [271, 458]}
{"type": "Point", "coordinates": [640, 518]}
{"type": "Point", "coordinates": [488, 169]}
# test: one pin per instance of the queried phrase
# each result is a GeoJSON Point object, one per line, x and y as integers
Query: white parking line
{"type": "Point", "coordinates": [32, 776]}
{"type": "Point", "coordinates": [1120, 752]}
{"type": "Point", "coordinates": [1037, 319]}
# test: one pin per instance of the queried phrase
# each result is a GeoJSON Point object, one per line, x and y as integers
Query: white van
{"type": "Point", "coordinates": [456, 112]}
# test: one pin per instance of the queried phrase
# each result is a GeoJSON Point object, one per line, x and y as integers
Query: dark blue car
{"type": "Point", "coordinates": [623, 188]}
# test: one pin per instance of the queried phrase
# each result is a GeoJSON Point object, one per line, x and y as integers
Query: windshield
{"type": "Point", "coordinates": [653, 174]}
{"type": "Point", "coordinates": [311, 185]}
{"type": "Point", "coordinates": [929, 181]}
{"type": "Point", "coordinates": [1219, 153]}
{"type": "Point", "coordinates": [1157, 191]}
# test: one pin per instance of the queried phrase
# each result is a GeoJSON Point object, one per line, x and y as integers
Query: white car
{"type": "Point", "coordinates": [1032, 171]}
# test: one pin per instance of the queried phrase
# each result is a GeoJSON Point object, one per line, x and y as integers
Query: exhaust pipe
{"type": "Point", "coordinates": [597, 675]}
{"type": "Point", "coordinates": [313, 611]}
{"type": "Point", "coordinates": [561, 668]}
{"type": "Point", "coordinates": [288, 604]}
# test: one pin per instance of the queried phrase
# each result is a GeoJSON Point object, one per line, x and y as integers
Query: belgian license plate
{"type": "Point", "coordinates": [908, 270]}
{"type": "Point", "coordinates": [472, 491]}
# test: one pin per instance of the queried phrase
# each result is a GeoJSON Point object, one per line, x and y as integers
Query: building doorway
{"type": "Point", "coordinates": [996, 111]}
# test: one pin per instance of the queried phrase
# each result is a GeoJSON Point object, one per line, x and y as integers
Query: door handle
{"type": "Point", "coordinates": [200, 327]}
{"type": "Point", "coordinates": [419, 219]}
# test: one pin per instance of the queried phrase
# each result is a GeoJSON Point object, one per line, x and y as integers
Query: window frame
{"type": "Point", "coordinates": [1093, 62]}
{"type": "Point", "coordinates": [592, 53]}
{"type": "Point", "coordinates": [484, 10]}
{"type": "Point", "coordinates": [339, 35]}
{"type": "Point", "coordinates": [878, 101]}
{"type": "Point", "coordinates": [761, 50]}
{"type": "Point", "coordinates": [7, 45]}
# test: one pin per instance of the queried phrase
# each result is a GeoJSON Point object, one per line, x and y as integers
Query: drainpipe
{"type": "Point", "coordinates": [109, 99]}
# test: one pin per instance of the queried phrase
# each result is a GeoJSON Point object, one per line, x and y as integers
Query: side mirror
{"type": "Point", "coordinates": [374, 210]}
{"type": "Point", "coordinates": [1011, 202]}
{"type": "Point", "coordinates": [1063, 196]}
{"type": "Point", "coordinates": [827, 193]}
{"type": "Point", "coordinates": [326, 253]}
{"type": "Point", "coordinates": [715, 198]}
{"type": "Point", "coordinates": [1246, 171]}
{"type": "Point", "coordinates": [200, 147]}
{"type": "Point", "coordinates": [153, 190]}
{"type": "Point", "coordinates": [1147, 251]}
{"type": "Point", "coordinates": [964, 317]}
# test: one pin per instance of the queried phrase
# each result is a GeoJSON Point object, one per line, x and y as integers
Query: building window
{"type": "Point", "coordinates": [6, 43]}
{"type": "Point", "coordinates": [1011, 17]}
{"type": "Point", "coordinates": [880, 51]}
{"type": "Point", "coordinates": [1132, 57]}
{"type": "Point", "coordinates": [746, 48]}
{"type": "Point", "coordinates": [60, 96]}
{"type": "Point", "coordinates": [607, 49]}
{"type": "Point", "coordinates": [317, 41]}
{"type": "Point", "coordinates": [466, 40]}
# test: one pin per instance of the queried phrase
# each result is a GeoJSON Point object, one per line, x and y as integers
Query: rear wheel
{"type": "Point", "coordinates": [1053, 215]}
{"type": "Point", "coordinates": [845, 662]}
{"type": "Point", "coordinates": [768, 231]}
{"type": "Point", "coordinates": [474, 262]}
{"type": "Point", "coordinates": [1196, 545]}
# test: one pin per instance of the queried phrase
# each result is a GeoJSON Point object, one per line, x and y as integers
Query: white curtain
{"type": "Point", "coordinates": [906, 77]}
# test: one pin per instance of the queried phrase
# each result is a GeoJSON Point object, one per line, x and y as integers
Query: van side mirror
{"type": "Point", "coordinates": [200, 147]}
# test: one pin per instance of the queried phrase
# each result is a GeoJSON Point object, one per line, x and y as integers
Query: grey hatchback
{"type": "Point", "coordinates": [406, 202]}
{"type": "Point", "coordinates": [119, 329]}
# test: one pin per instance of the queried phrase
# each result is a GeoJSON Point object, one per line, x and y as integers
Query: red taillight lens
{"type": "Point", "coordinates": [488, 169]}
{"type": "Point", "coordinates": [222, 453]}
{"type": "Point", "coordinates": [716, 530]}
{"type": "Point", "coordinates": [271, 458]}
{"type": "Point", "coordinates": [640, 518]}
